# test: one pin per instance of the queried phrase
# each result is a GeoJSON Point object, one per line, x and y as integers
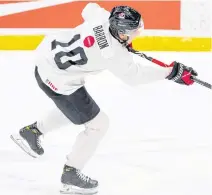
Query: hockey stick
{"type": "Point", "coordinates": [205, 84]}
{"type": "Point", "coordinates": [196, 80]}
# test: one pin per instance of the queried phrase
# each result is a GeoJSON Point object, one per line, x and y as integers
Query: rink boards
{"type": "Point", "coordinates": [169, 26]}
{"type": "Point", "coordinates": [154, 43]}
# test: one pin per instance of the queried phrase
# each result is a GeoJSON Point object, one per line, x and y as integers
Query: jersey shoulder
{"type": "Point", "coordinates": [93, 12]}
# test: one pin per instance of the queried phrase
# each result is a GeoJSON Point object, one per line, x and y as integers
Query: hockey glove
{"type": "Point", "coordinates": [181, 74]}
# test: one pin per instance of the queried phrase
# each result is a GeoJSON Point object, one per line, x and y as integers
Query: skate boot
{"type": "Point", "coordinates": [75, 182]}
{"type": "Point", "coordinates": [28, 140]}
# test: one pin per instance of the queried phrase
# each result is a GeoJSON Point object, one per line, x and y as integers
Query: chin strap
{"type": "Point", "coordinates": [116, 36]}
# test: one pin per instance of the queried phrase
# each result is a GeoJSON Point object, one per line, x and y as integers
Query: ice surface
{"type": "Point", "coordinates": [159, 142]}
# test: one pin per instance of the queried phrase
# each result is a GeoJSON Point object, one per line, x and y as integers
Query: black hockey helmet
{"type": "Point", "coordinates": [124, 20]}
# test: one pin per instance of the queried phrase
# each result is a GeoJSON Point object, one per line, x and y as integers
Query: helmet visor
{"type": "Point", "coordinates": [135, 31]}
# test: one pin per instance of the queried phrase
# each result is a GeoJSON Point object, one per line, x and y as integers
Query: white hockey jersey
{"type": "Point", "coordinates": [66, 58]}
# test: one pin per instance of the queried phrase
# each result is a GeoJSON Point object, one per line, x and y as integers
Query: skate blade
{"type": "Point", "coordinates": [23, 145]}
{"type": "Point", "coordinates": [69, 189]}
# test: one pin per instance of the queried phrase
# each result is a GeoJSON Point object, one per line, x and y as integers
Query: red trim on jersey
{"type": "Point", "coordinates": [130, 45]}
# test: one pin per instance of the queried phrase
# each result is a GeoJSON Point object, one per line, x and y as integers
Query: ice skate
{"type": "Point", "coordinates": [75, 182]}
{"type": "Point", "coordinates": [28, 140]}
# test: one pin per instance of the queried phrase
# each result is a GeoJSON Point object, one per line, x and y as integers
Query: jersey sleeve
{"type": "Point", "coordinates": [138, 71]}
{"type": "Point", "coordinates": [93, 11]}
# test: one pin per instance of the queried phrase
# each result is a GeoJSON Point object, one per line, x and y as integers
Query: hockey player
{"type": "Point", "coordinates": [64, 60]}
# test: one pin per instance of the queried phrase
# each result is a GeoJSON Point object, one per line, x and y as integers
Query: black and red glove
{"type": "Point", "coordinates": [181, 74]}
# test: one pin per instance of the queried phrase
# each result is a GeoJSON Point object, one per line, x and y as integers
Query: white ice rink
{"type": "Point", "coordinates": [159, 142]}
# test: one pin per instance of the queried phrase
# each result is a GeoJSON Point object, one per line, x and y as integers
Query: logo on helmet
{"type": "Point", "coordinates": [122, 15]}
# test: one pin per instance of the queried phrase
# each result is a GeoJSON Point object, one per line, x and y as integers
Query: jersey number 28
{"type": "Point", "coordinates": [78, 50]}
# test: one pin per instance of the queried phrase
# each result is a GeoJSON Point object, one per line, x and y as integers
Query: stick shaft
{"type": "Point", "coordinates": [203, 83]}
